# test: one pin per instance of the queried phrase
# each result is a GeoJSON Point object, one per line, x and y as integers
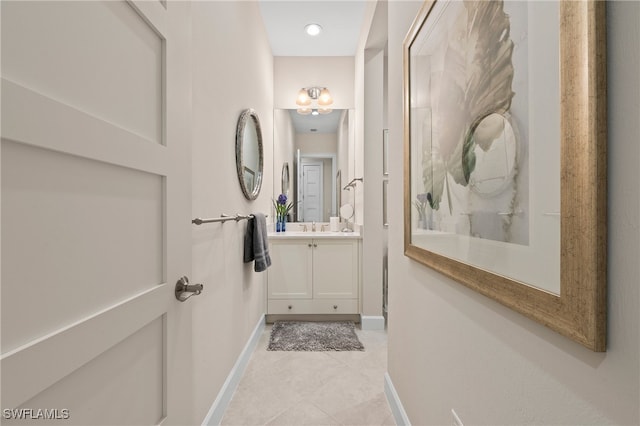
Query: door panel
{"type": "Point", "coordinates": [28, 370]}
{"type": "Point", "coordinates": [107, 43]}
{"type": "Point", "coordinates": [96, 210]}
{"type": "Point", "coordinates": [312, 184]}
{"type": "Point", "coordinates": [135, 364]}
{"type": "Point", "coordinates": [335, 269]}
{"type": "Point", "coordinates": [289, 276]}
{"type": "Point", "coordinates": [44, 207]}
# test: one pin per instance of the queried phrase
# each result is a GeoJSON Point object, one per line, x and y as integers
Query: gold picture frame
{"type": "Point", "coordinates": [578, 309]}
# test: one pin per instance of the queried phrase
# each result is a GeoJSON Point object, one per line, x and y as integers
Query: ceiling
{"type": "Point", "coordinates": [341, 23]}
{"type": "Point", "coordinates": [323, 123]}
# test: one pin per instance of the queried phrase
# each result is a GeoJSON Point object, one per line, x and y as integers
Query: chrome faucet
{"type": "Point", "coordinates": [313, 227]}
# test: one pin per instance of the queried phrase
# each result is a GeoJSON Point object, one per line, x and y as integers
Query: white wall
{"type": "Point", "coordinates": [373, 238]}
{"type": "Point", "coordinates": [368, 194]}
{"type": "Point", "coordinates": [451, 348]}
{"type": "Point", "coordinates": [357, 194]}
{"type": "Point", "coordinates": [317, 143]}
{"type": "Point", "coordinates": [232, 70]}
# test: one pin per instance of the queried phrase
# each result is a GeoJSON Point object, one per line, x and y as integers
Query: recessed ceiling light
{"type": "Point", "coordinates": [313, 29]}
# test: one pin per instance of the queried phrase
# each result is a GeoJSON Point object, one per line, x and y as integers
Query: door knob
{"type": "Point", "coordinates": [184, 290]}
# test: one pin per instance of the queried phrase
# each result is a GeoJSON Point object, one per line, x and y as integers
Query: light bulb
{"type": "Point", "coordinates": [303, 98]}
{"type": "Point", "coordinates": [325, 97]}
{"type": "Point", "coordinates": [313, 29]}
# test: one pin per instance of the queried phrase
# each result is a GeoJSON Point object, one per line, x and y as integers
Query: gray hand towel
{"type": "Point", "coordinates": [256, 244]}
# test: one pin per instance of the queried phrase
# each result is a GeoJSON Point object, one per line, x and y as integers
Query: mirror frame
{"type": "Point", "coordinates": [285, 179]}
{"type": "Point", "coordinates": [579, 312]}
{"type": "Point", "coordinates": [245, 116]}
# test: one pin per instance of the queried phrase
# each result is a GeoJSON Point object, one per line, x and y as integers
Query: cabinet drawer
{"type": "Point", "coordinates": [335, 306]}
{"type": "Point", "coordinates": [293, 306]}
{"type": "Point", "coordinates": [311, 306]}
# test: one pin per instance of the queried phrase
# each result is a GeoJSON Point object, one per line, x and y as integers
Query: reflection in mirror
{"type": "Point", "coordinates": [249, 153]}
{"type": "Point", "coordinates": [338, 190]}
{"type": "Point", "coordinates": [285, 179]}
{"type": "Point", "coordinates": [496, 149]}
{"type": "Point", "coordinates": [316, 146]}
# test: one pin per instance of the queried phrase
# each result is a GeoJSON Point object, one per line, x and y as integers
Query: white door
{"type": "Point", "coordinates": [298, 188]}
{"type": "Point", "coordinates": [312, 188]}
{"type": "Point", "coordinates": [95, 212]}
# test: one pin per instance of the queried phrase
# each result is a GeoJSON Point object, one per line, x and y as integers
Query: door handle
{"type": "Point", "coordinates": [184, 290]}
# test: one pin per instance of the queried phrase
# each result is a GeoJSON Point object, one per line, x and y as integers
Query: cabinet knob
{"type": "Point", "coordinates": [310, 245]}
{"type": "Point", "coordinates": [315, 245]}
{"type": "Point", "coordinates": [290, 306]}
{"type": "Point", "coordinates": [335, 306]}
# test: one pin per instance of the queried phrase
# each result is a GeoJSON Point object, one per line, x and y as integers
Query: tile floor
{"type": "Point", "coordinates": [313, 388]}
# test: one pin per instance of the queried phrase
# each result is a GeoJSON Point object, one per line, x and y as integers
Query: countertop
{"type": "Point", "coordinates": [291, 235]}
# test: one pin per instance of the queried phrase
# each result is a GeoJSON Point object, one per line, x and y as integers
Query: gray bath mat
{"type": "Point", "coordinates": [314, 336]}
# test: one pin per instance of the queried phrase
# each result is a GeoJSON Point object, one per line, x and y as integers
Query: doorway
{"type": "Point", "coordinates": [312, 189]}
{"type": "Point", "coordinates": [315, 188]}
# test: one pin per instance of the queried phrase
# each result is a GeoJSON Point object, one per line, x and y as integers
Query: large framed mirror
{"type": "Point", "coordinates": [311, 149]}
{"type": "Point", "coordinates": [249, 153]}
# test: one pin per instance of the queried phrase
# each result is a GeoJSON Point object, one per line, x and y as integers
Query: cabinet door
{"type": "Point", "coordinates": [335, 269]}
{"type": "Point", "coordinates": [289, 276]}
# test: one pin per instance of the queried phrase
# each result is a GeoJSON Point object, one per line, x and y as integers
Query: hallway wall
{"type": "Point", "coordinates": [232, 70]}
{"type": "Point", "coordinates": [451, 348]}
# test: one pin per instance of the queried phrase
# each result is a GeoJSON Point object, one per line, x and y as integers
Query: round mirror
{"type": "Point", "coordinates": [346, 211]}
{"type": "Point", "coordinates": [495, 146]}
{"type": "Point", "coordinates": [249, 155]}
{"type": "Point", "coordinates": [285, 178]}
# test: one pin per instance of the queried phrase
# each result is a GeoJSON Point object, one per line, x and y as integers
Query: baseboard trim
{"type": "Point", "coordinates": [399, 415]}
{"type": "Point", "coordinates": [271, 318]}
{"type": "Point", "coordinates": [370, 322]}
{"type": "Point", "coordinates": [216, 412]}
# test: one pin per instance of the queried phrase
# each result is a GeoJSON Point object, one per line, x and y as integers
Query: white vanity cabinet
{"type": "Point", "coordinates": [313, 276]}
{"type": "Point", "coordinates": [290, 273]}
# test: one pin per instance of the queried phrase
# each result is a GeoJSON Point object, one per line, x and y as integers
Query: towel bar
{"type": "Point", "coordinates": [223, 218]}
{"type": "Point", "coordinates": [352, 184]}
